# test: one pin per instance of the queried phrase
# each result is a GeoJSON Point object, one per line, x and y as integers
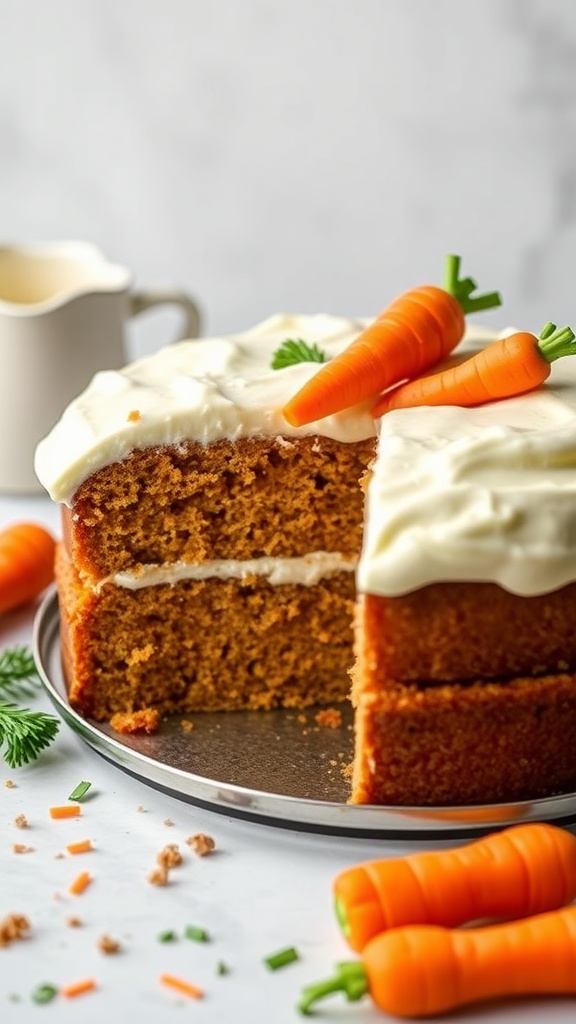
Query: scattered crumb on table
{"type": "Point", "coordinates": [201, 844]}
{"type": "Point", "coordinates": [13, 927]}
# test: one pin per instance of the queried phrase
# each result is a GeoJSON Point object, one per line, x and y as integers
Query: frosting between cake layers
{"type": "Point", "coordinates": [202, 390]}
{"type": "Point", "coordinates": [306, 571]}
{"type": "Point", "coordinates": [480, 494]}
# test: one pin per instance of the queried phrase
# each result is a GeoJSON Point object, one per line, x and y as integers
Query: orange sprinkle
{"type": "Point", "coordinates": [67, 811]}
{"type": "Point", "coordinates": [78, 988]}
{"type": "Point", "coordinates": [80, 883]}
{"type": "Point", "coordinates": [82, 846]}
{"type": "Point", "coordinates": [185, 987]}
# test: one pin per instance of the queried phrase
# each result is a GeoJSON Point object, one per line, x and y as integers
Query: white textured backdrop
{"type": "Point", "coordinates": [311, 155]}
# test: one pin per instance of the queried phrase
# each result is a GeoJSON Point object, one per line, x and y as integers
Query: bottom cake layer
{"type": "Point", "coordinates": [458, 744]}
{"type": "Point", "coordinates": [205, 645]}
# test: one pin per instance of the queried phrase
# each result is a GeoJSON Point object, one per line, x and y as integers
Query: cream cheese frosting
{"type": "Point", "coordinates": [480, 494]}
{"type": "Point", "coordinates": [202, 390]}
{"type": "Point", "coordinates": [305, 570]}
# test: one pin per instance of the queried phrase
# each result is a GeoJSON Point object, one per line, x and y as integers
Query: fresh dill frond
{"type": "Point", "coordinates": [296, 350]}
{"type": "Point", "coordinates": [25, 733]}
{"type": "Point", "coordinates": [18, 672]}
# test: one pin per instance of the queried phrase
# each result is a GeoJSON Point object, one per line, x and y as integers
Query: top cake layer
{"type": "Point", "coordinates": [204, 390]}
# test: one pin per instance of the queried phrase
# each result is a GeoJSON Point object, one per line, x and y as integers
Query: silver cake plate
{"type": "Point", "coordinates": [278, 768]}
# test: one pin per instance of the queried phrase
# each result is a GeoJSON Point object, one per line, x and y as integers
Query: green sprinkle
{"type": "Point", "coordinates": [196, 934]}
{"type": "Point", "coordinates": [295, 350]}
{"type": "Point", "coordinates": [80, 791]}
{"type": "Point", "coordinates": [44, 993]}
{"type": "Point", "coordinates": [282, 958]}
{"type": "Point", "coordinates": [222, 968]}
{"type": "Point", "coordinates": [168, 936]}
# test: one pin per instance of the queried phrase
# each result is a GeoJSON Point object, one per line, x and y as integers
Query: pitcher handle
{"type": "Point", "coordinates": [149, 297]}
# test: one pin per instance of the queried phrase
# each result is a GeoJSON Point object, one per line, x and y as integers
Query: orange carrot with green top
{"type": "Point", "coordinates": [421, 970]}
{"type": "Point", "coordinates": [415, 332]}
{"type": "Point", "coordinates": [525, 869]}
{"type": "Point", "coordinates": [507, 367]}
{"type": "Point", "coordinates": [26, 563]}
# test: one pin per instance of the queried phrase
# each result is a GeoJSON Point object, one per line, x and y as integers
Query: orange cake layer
{"type": "Point", "coordinates": [205, 645]}
{"type": "Point", "coordinates": [448, 632]}
{"type": "Point", "coordinates": [244, 499]}
{"type": "Point", "coordinates": [458, 744]}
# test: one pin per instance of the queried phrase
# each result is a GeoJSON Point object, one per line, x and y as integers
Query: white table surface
{"type": "Point", "coordinates": [264, 888]}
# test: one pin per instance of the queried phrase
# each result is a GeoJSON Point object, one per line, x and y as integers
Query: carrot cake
{"type": "Point", "coordinates": [214, 557]}
{"type": "Point", "coordinates": [465, 677]}
{"type": "Point", "coordinates": [209, 549]}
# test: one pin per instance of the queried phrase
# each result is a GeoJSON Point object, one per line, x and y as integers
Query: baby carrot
{"type": "Point", "coordinates": [26, 563]}
{"type": "Point", "coordinates": [420, 970]}
{"type": "Point", "coordinates": [78, 988]}
{"type": "Point", "coordinates": [507, 367]}
{"type": "Point", "coordinates": [524, 869]}
{"type": "Point", "coordinates": [415, 332]}
{"type": "Point", "coordinates": [180, 985]}
{"type": "Point", "coordinates": [80, 883]}
{"type": "Point", "coordinates": [66, 811]}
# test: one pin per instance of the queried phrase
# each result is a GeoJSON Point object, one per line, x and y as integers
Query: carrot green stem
{"type": "Point", "coordinates": [555, 342]}
{"type": "Point", "coordinates": [462, 289]}
{"type": "Point", "coordinates": [350, 978]}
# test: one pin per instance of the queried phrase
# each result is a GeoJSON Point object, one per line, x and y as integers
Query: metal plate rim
{"type": "Point", "coordinates": [279, 809]}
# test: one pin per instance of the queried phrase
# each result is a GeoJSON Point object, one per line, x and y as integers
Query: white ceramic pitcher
{"type": "Point", "coordinates": [64, 309]}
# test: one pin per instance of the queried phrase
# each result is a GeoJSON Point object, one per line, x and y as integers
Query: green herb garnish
{"type": "Point", "coordinates": [44, 993]}
{"type": "Point", "coordinates": [80, 791]}
{"type": "Point", "coordinates": [282, 958]}
{"type": "Point", "coordinates": [18, 672]}
{"type": "Point", "coordinates": [24, 732]}
{"type": "Point", "coordinates": [168, 936]}
{"type": "Point", "coordinates": [295, 350]}
{"type": "Point", "coordinates": [222, 968]}
{"type": "Point", "coordinates": [196, 933]}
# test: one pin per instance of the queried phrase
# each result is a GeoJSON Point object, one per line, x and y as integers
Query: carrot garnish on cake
{"type": "Point", "coordinates": [415, 332]}
{"type": "Point", "coordinates": [510, 366]}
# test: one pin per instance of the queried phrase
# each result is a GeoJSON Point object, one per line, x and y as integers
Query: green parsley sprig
{"type": "Point", "coordinates": [296, 350]}
{"type": "Point", "coordinates": [23, 732]}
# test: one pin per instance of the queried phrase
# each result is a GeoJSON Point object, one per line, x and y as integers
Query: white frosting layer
{"type": "Point", "coordinates": [306, 571]}
{"type": "Point", "coordinates": [485, 494]}
{"type": "Point", "coordinates": [204, 390]}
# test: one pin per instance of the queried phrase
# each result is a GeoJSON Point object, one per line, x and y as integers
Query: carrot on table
{"type": "Point", "coordinates": [80, 883]}
{"type": "Point", "coordinates": [78, 988]}
{"type": "Point", "coordinates": [65, 811]}
{"type": "Point", "coordinates": [186, 988]}
{"type": "Point", "coordinates": [421, 970]}
{"type": "Point", "coordinates": [415, 332]}
{"type": "Point", "coordinates": [507, 367]}
{"type": "Point", "coordinates": [26, 563]}
{"type": "Point", "coordinates": [82, 846]}
{"type": "Point", "coordinates": [522, 870]}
